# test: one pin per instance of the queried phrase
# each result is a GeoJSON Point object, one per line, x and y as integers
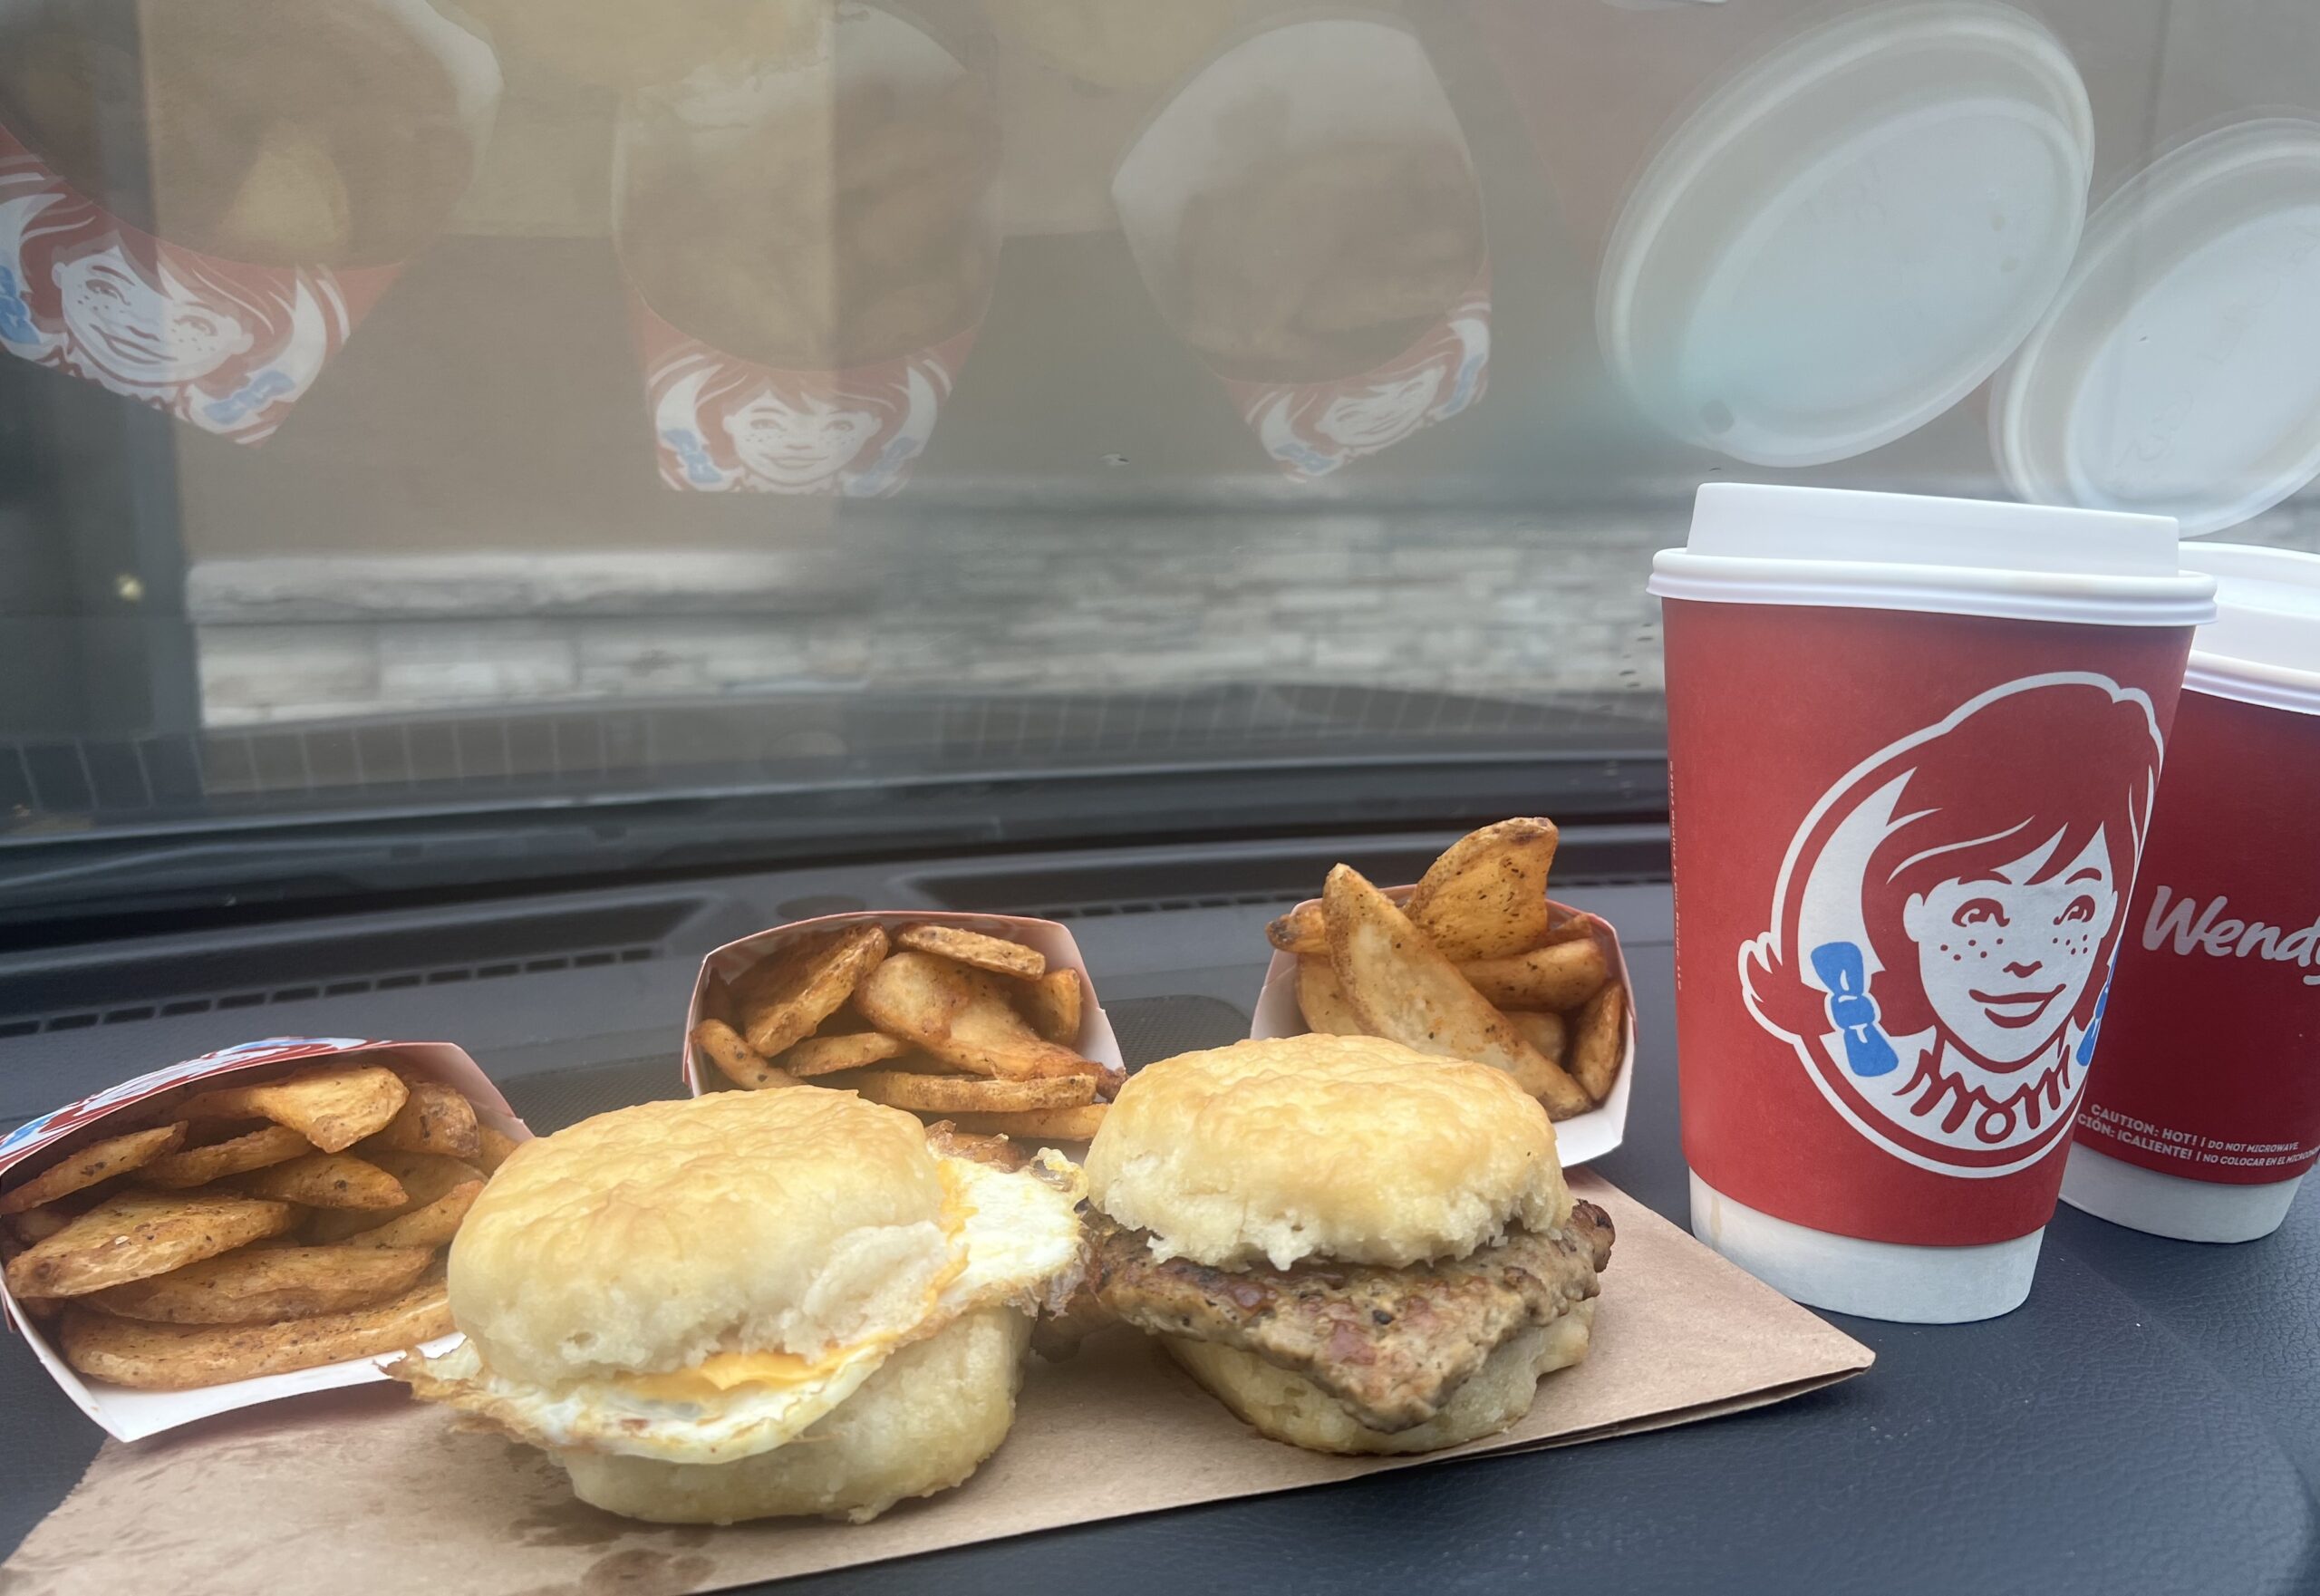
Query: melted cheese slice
{"type": "Point", "coordinates": [725, 1371]}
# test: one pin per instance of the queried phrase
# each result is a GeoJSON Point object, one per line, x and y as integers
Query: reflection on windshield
{"type": "Point", "coordinates": [293, 156]}
{"type": "Point", "coordinates": [2177, 371]}
{"type": "Point", "coordinates": [1305, 212]}
{"type": "Point", "coordinates": [417, 405]}
{"type": "Point", "coordinates": [1847, 234]}
{"type": "Point", "coordinates": [811, 246]}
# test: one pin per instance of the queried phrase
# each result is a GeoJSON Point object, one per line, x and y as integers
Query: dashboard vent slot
{"type": "Point", "coordinates": [1287, 874]}
{"type": "Point", "coordinates": [128, 991]}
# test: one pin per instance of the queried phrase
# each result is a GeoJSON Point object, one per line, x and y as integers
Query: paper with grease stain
{"type": "Point", "coordinates": [380, 1491]}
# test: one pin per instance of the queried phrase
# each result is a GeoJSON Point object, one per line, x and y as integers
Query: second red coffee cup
{"type": "Point", "coordinates": [2203, 1112]}
{"type": "Point", "coordinates": [1913, 749]}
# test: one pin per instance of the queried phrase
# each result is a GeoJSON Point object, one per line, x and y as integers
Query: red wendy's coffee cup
{"type": "Point", "coordinates": [2203, 1111]}
{"type": "Point", "coordinates": [1913, 747]}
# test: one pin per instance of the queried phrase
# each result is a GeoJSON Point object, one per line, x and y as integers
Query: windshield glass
{"type": "Point", "coordinates": [442, 442]}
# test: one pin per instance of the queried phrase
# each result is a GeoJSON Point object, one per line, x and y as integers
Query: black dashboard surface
{"type": "Point", "coordinates": [2150, 1421]}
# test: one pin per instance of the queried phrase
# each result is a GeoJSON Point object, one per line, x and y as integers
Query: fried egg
{"type": "Point", "coordinates": [1013, 1240]}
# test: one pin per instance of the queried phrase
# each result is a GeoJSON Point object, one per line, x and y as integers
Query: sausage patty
{"type": "Point", "coordinates": [1390, 1344]}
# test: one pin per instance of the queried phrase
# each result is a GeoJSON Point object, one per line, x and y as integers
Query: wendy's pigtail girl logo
{"type": "Point", "coordinates": [726, 425]}
{"type": "Point", "coordinates": [1312, 429]}
{"type": "Point", "coordinates": [226, 347]}
{"type": "Point", "coordinates": [1944, 919]}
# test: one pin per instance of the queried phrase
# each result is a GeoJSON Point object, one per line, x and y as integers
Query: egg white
{"type": "Point", "coordinates": [1021, 1243]}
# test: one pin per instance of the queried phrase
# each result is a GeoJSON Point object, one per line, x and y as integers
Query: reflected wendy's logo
{"type": "Point", "coordinates": [1944, 922]}
{"type": "Point", "coordinates": [1312, 429]}
{"type": "Point", "coordinates": [226, 347]}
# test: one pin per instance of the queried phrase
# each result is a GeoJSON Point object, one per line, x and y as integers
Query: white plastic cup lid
{"type": "Point", "coordinates": [2264, 644]}
{"type": "Point", "coordinates": [1756, 543]}
{"type": "Point", "coordinates": [2178, 372]}
{"type": "Point", "coordinates": [1851, 234]}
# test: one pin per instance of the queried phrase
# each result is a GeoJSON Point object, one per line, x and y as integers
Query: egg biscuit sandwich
{"type": "Point", "coordinates": [753, 1304]}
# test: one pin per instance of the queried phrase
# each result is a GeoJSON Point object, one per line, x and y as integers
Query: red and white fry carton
{"type": "Point", "coordinates": [1045, 937]}
{"type": "Point", "coordinates": [131, 1416]}
{"type": "Point", "coordinates": [1289, 105]}
{"type": "Point", "coordinates": [2202, 1111]}
{"type": "Point", "coordinates": [226, 347]}
{"type": "Point", "coordinates": [1579, 1139]}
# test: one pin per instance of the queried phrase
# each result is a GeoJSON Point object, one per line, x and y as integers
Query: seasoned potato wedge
{"type": "Point", "coordinates": [1546, 1032]}
{"type": "Point", "coordinates": [197, 1166]}
{"type": "Point", "coordinates": [326, 1180]}
{"type": "Point", "coordinates": [964, 1094]}
{"type": "Point", "coordinates": [430, 1225]}
{"type": "Point", "coordinates": [996, 954]}
{"type": "Point", "coordinates": [179, 1356]}
{"type": "Point", "coordinates": [1302, 931]}
{"type": "Point", "coordinates": [848, 1049]}
{"type": "Point", "coordinates": [735, 1060]}
{"type": "Point", "coordinates": [794, 988]}
{"type": "Point", "coordinates": [1559, 977]}
{"type": "Point", "coordinates": [1486, 896]}
{"type": "Point", "coordinates": [85, 1165]}
{"type": "Point", "coordinates": [1036, 1126]}
{"type": "Point", "coordinates": [962, 1016]}
{"type": "Point", "coordinates": [141, 1234]}
{"type": "Point", "coordinates": [1403, 989]}
{"type": "Point", "coordinates": [1599, 1035]}
{"type": "Point", "coordinates": [1054, 1005]}
{"type": "Point", "coordinates": [259, 1283]}
{"type": "Point", "coordinates": [333, 1108]}
{"type": "Point", "coordinates": [1321, 999]}
{"type": "Point", "coordinates": [435, 1118]}
{"type": "Point", "coordinates": [492, 1147]}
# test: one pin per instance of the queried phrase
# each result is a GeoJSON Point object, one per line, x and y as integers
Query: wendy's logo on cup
{"type": "Point", "coordinates": [1312, 429]}
{"type": "Point", "coordinates": [2185, 925]}
{"type": "Point", "coordinates": [1945, 918]}
{"type": "Point", "coordinates": [224, 346]}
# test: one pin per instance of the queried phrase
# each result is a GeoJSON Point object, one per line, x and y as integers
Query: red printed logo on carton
{"type": "Point", "coordinates": [721, 424]}
{"type": "Point", "coordinates": [1312, 429]}
{"type": "Point", "coordinates": [36, 1134]}
{"type": "Point", "coordinates": [1946, 916]}
{"type": "Point", "coordinates": [226, 347]}
{"type": "Point", "coordinates": [130, 1415]}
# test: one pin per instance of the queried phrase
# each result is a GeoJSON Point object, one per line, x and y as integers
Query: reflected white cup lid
{"type": "Point", "coordinates": [2178, 372]}
{"type": "Point", "coordinates": [1754, 543]}
{"type": "Point", "coordinates": [1850, 234]}
{"type": "Point", "coordinates": [2264, 644]}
